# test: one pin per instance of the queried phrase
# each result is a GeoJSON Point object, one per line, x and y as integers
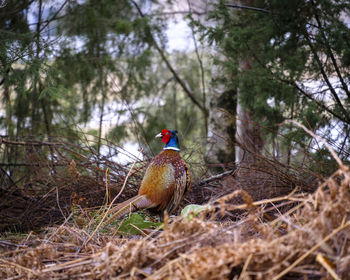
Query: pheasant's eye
{"type": "Point", "coordinates": [165, 132]}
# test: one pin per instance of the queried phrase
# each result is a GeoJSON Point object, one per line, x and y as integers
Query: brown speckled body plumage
{"type": "Point", "coordinates": [165, 182]}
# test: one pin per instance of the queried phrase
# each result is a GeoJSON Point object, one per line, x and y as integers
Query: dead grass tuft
{"type": "Point", "coordinates": [312, 239]}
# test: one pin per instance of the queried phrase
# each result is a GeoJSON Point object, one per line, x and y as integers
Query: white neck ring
{"type": "Point", "coordinates": [172, 148]}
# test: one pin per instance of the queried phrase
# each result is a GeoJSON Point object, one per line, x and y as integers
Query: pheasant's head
{"type": "Point", "coordinates": [170, 139]}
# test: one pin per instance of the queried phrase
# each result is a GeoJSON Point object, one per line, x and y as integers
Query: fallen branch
{"type": "Point", "coordinates": [213, 178]}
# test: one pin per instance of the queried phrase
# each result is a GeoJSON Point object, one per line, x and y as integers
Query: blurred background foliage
{"type": "Point", "coordinates": [104, 68]}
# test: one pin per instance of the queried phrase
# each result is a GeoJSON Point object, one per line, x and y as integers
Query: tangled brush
{"type": "Point", "coordinates": [311, 239]}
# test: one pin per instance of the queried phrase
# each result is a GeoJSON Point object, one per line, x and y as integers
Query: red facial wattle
{"type": "Point", "coordinates": [166, 136]}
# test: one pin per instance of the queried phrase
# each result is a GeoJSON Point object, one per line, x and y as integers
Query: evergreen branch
{"type": "Point", "coordinates": [303, 92]}
{"type": "Point", "coordinates": [171, 68]}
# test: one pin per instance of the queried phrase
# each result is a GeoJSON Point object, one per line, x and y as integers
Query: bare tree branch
{"type": "Point", "coordinates": [214, 178]}
{"type": "Point", "coordinates": [172, 70]}
{"type": "Point", "coordinates": [177, 13]}
{"type": "Point", "coordinates": [248, 8]}
{"type": "Point", "coordinates": [29, 143]}
{"type": "Point", "coordinates": [54, 16]}
{"type": "Point", "coordinates": [325, 77]}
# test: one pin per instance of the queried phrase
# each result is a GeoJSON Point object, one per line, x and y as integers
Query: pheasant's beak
{"type": "Point", "coordinates": [159, 135]}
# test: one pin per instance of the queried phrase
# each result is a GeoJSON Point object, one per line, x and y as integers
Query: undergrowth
{"type": "Point", "coordinates": [298, 232]}
{"type": "Point", "coordinates": [311, 239]}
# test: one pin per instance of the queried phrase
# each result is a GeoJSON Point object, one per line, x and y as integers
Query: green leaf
{"type": "Point", "coordinates": [136, 223]}
{"type": "Point", "coordinates": [192, 210]}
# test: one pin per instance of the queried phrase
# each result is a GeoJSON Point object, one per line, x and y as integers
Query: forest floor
{"type": "Point", "coordinates": [237, 235]}
{"type": "Point", "coordinates": [310, 240]}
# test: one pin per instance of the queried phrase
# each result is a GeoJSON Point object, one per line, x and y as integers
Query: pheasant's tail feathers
{"type": "Point", "coordinates": [128, 206]}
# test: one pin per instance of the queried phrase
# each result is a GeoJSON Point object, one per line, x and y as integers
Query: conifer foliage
{"type": "Point", "coordinates": [298, 52]}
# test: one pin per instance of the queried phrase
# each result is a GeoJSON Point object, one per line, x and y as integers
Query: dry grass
{"type": "Point", "coordinates": [310, 240]}
{"type": "Point", "coordinates": [296, 233]}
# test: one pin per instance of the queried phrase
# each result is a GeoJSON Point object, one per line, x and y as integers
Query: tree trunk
{"type": "Point", "coordinates": [248, 135]}
{"type": "Point", "coordinates": [221, 131]}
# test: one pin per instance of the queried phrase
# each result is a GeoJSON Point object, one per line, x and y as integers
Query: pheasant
{"type": "Point", "coordinates": [165, 182]}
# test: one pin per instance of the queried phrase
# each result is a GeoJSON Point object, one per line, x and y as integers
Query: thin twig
{"type": "Point", "coordinates": [29, 143]}
{"type": "Point", "coordinates": [320, 139]}
{"type": "Point", "coordinates": [58, 202]}
{"type": "Point", "coordinates": [248, 8]}
{"type": "Point", "coordinates": [109, 207]}
{"type": "Point", "coordinates": [57, 230]}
